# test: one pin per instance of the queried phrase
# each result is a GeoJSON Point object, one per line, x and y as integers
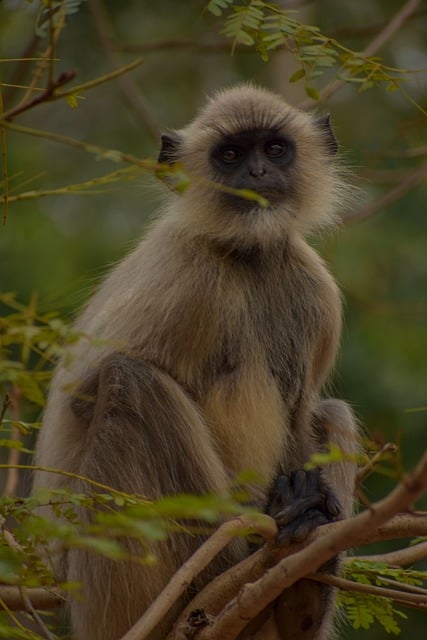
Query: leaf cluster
{"type": "Point", "coordinates": [266, 26]}
{"type": "Point", "coordinates": [363, 610]}
{"type": "Point", "coordinates": [113, 517]}
{"type": "Point", "coordinates": [30, 341]}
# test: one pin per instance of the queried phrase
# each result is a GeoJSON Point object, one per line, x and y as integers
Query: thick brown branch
{"type": "Point", "coordinates": [215, 596]}
{"type": "Point", "coordinates": [40, 598]}
{"type": "Point", "coordinates": [258, 524]}
{"type": "Point", "coordinates": [254, 597]}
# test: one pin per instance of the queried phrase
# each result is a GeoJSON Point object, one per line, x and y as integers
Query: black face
{"type": "Point", "coordinates": [260, 160]}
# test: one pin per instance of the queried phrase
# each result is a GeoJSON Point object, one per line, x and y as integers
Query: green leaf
{"type": "Point", "coordinates": [298, 75]}
{"type": "Point", "coordinates": [30, 389]}
{"type": "Point", "coordinates": [216, 7]}
{"type": "Point", "coordinates": [72, 100]}
{"type": "Point", "coordinates": [312, 93]}
{"type": "Point", "coordinates": [108, 548]}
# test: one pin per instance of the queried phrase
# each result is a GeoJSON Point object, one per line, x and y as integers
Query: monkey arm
{"type": "Point", "coordinates": [306, 500]}
{"type": "Point", "coordinates": [300, 502]}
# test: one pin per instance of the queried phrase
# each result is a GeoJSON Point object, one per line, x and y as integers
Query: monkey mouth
{"type": "Point", "coordinates": [255, 199]}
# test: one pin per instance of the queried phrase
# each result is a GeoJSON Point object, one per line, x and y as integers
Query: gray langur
{"type": "Point", "coordinates": [215, 338]}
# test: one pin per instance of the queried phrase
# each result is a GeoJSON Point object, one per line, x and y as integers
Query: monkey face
{"type": "Point", "coordinates": [247, 138]}
{"type": "Point", "coordinates": [261, 160]}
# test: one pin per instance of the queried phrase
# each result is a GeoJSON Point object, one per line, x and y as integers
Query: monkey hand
{"type": "Point", "coordinates": [299, 503]}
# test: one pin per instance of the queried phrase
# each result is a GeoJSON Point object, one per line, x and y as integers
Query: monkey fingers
{"type": "Point", "coordinates": [301, 506]}
{"type": "Point", "coordinates": [301, 502]}
{"type": "Point", "coordinates": [301, 527]}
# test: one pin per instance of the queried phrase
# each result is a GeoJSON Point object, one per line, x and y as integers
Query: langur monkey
{"type": "Point", "coordinates": [215, 338]}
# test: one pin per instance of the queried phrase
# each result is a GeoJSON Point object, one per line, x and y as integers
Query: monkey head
{"type": "Point", "coordinates": [247, 138]}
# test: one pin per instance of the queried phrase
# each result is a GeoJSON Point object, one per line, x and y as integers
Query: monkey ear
{"type": "Point", "coordinates": [324, 122]}
{"type": "Point", "coordinates": [169, 151]}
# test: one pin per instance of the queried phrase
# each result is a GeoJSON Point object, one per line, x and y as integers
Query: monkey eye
{"type": "Point", "coordinates": [229, 154]}
{"type": "Point", "coordinates": [274, 149]}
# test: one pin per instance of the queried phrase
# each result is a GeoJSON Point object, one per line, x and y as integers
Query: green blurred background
{"type": "Point", "coordinates": [60, 246]}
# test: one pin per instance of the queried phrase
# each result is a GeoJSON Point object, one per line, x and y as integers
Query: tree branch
{"type": "Point", "coordinates": [258, 524]}
{"type": "Point", "coordinates": [386, 199]}
{"type": "Point", "coordinates": [255, 597]}
{"type": "Point", "coordinates": [401, 557]}
{"type": "Point", "coordinates": [420, 600]}
{"type": "Point", "coordinates": [47, 95]}
{"type": "Point", "coordinates": [390, 29]}
{"type": "Point", "coordinates": [41, 599]}
{"type": "Point", "coordinates": [216, 595]}
{"type": "Point", "coordinates": [12, 480]}
{"type": "Point", "coordinates": [127, 84]}
{"type": "Point", "coordinates": [50, 94]}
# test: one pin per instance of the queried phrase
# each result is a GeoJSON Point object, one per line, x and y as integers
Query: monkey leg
{"type": "Point", "coordinates": [144, 436]}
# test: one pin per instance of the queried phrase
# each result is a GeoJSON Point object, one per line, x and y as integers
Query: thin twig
{"type": "Point", "coordinates": [26, 601]}
{"type": "Point", "coordinates": [404, 586]}
{"type": "Point", "coordinates": [348, 585]}
{"type": "Point", "coordinates": [400, 557]}
{"type": "Point", "coordinates": [106, 154]}
{"type": "Point", "coordinates": [363, 472]}
{"type": "Point", "coordinates": [47, 95]}
{"type": "Point", "coordinates": [129, 88]}
{"type": "Point", "coordinates": [36, 617]}
{"type": "Point", "coordinates": [88, 186]}
{"type": "Point", "coordinates": [47, 60]}
{"type": "Point", "coordinates": [5, 406]}
{"type": "Point", "coordinates": [12, 481]}
{"type": "Point", "coordinates": [182, 44]}
{"type": "Point", "coordinates": [4, 171]}
{"type": "Point", "coordinates": [390, 29]}
{"type": "Point", "coordinates": [51, 94]}
{"type": "Point", "coordinates": [416, 177]}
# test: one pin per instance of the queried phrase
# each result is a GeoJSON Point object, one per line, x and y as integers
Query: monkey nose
{"type": "Point", "coordinates": [257, 172]}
